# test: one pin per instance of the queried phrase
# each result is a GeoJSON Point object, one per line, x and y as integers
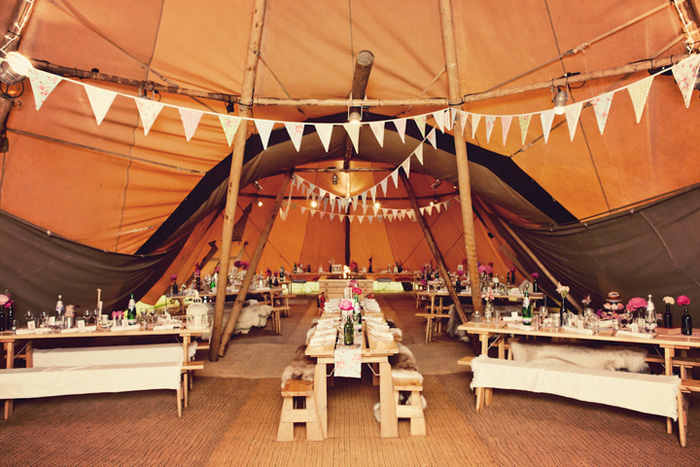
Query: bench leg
{"type": "Point", "coordinates": [681, 420]}
{"type": "Point", "coordinates": [314, 431]}
{"type": "Point", "coordinates": [185, 377]}
{"type": "Point", "coordinates": [488, 396]}
{"type": "Point", "coordinates": [285, 432]}
{"type": "Point", "coordinates": [428, 329]}
{"type": "Point", "coordinates": [179, 403]}
{"type": "Point", "coordinates": [417, 419]}
{"type": "Point", "coordinates": [479, 399]}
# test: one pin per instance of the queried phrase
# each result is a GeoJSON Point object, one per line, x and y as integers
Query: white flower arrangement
{"type": "Point", "coordinates": [562, 289]}
{"type": "Point", "coordinates": [669, 300]}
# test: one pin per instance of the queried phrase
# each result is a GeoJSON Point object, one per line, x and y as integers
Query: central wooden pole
{"type": "Point", "coordinates": [465, 195]}
{"type": "Point", "coordinates": [234, 178]}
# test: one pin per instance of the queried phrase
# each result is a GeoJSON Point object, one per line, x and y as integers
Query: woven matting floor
{"type": "Point", "coordinates": [234, 412]}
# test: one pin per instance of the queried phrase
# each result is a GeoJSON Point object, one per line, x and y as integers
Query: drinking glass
{"type": "Point", "coordinates": [44, 318]}
{"type": "Point", "coordinates": [544, 311]}
{"type": "Point", "coordinates": [96, 316]}
{"type": "Point", "coordinates": [86, 315]}
{"type": "Point", "coordinates": [29, 316]}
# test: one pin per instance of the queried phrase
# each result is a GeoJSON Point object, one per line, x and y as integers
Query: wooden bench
{"type": "Point", "coordinates": [29, 383]}
{"type": "Point", "coordinates": [301, 410]}
{"type": "Point", "coordinates": [414, 410]}
{"type": "Point", "coordinates": [654, 394]}
{"type": "Point", "coordinates": [431, 324]}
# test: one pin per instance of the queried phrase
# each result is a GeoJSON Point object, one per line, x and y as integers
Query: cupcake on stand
{"type": "Point", "coordinates": [613, 305]}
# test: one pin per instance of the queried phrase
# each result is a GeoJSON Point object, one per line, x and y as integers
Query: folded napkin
{"type": "Point", "coordinates": [520, 326]}
{"type": "Point", "coordinates": [588, 332]}
{"type": "Point", "coordinates": [128, 328]}
{"type": "Point", "coordinates": [622, 333]}
{"type": "Point", "coordinates": [70, 330]}
{"type": "Point", "coordinates": [20, 332]}
{"type": "Point", "coordinates": [158, 327]}
{"type": "Point", "coordinates": [510, 319]}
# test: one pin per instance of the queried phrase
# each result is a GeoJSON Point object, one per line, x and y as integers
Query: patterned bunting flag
{"type": "Point", "coordinates": [506, 120]}
{"type": "Point", "coordinates": [686, 73]}
{"type": "Point", "coordinates": [395, 177]}
{"type": "Point", "coordinates": [419, 153]}
{"type": "Point", "coordinates": [230, 125]}
{"type": "Point", "coordinates": [400, 125]}
{"type": "Point", "coordinates": [296, 131]}
{"type": "Point", "coordinates": [321, 213]}
{"type": "Point", "coordinates": [332, 216]}
{"type": "Point", "coordinates": [324, 132]}
{"type": "Point", "coordinates": [524, 121]}
{"type": "Point", "coordinates": [601, 107]}
{"type": "Point", "coordinates": [378, 130]}
{"type": "Point", "coordinates": [490, 120]}
{"type": "Point", "coordinates": [475, 123]}
{"type": "Point", "coordinates": [264, 129]}
{"type": "Point", "coordinates": [190, 120]}
{"type": "Point", "coordinates": [432, 138]}
{"type": "Point", "coordinates": [100, 101]}
{"type": "Point", "coordinates": [353, 130]}
{"type": "Point", "coordinates": [573, 112]}
{"type": "Point", "coordinates": [639, 92]}
{"type": "Point", "coordinates": [547, 118]}
{"type": "Point", "coordinates": [439, 117]}
{"type": "Point", "coordinates": [42, 85]}
{"type": "Point", "coordinates": [407, 166]}
{"type": "Point", "coordinates": [148, 111]}
{"type": "Point", "coordinates": [420, 123]}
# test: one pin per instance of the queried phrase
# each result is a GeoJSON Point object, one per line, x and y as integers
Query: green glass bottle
{"type": "Point", "coordinates": [131, 310]}
{"type": "Point", "coordinates": [527, 310]}
{"type": "Point", "coordinates": [349, 331]}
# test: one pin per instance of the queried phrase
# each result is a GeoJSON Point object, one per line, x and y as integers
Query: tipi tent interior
{"type": "Point", "coordinates": [142, 133]}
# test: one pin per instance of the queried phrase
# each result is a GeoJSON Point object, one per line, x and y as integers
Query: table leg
{"type": "Point", "coordinates": [501, 347]}
{"type": "Point", "coordinates": [321, 395]}
{"type": "Point", "coordinates": [668, 364]}
{"type": "Point", "coordinates": [9, 363]}
{"type": "Point", "coordinates": [484, 339]}
{"type": "Point", "coordinates": [389, 421]}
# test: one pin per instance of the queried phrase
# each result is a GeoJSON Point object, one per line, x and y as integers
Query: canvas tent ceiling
{"type": "Point", "coordinates": [112, 188]}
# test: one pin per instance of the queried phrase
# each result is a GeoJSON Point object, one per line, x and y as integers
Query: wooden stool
{"type": "Point", "coordinates": [307, 414]}
{"type": "Point", "coordinates": [274, 319]}
{"type": "Point", "coordinates": [281, 304]}
{"type": "Point", "coordinates": [414, 411]}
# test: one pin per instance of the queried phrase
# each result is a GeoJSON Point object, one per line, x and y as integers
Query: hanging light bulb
{"type": "Point", "coordinates": [560, 100]}
{"type": "Point", "coordinates": [19, 63]}
{"type": "Point", "coordinates": [334, 179]}
{"type": "Point", "coordinates": [355, 117]}
{"type": "Point", "coordinates": [314, 203]}
{"type": "Point", "coordinates": [377, 205]}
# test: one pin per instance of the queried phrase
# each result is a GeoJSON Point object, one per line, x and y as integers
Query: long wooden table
{"type": "Point", "coordinates": [10, 340]}
{"type": "Point", "coordinates": [373, 352]}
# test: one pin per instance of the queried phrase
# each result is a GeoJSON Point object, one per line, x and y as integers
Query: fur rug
{"type": "Point", "coordinates": [301, 367]}
{"type": "Point", "coordinates": [604, 358]}
{"type": "Point", "coordinates": [452, 324]}
{"type": "Point", "coordinates": [403, 366]}
{"type": "Point", "coordinates": [252, 315]}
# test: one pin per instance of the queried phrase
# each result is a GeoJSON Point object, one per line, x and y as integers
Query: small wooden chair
{"type": "Point", "coordinates": [308, 414]}
{"type": "Point", "coordinates": [414, 411]}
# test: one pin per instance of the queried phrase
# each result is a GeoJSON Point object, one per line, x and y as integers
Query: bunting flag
{"type": "Point", "coordinates": [547, 118]}
{"type": "Point", "coordinates": [422, 211]}
{"type": "Point", "coordinates": [43, 84]}
{"type": "Point", "coordinates": [395, 177]}
{"type": "Point", "coordinates": [573, 112]}
{"type": "Point", "coordinates": [373, 192]}
{"type": "Point", "coordinates": [364, 209]}
{"type": "Point", "coordinates": [296, 131]}
{"type": "Point", "coordinates": [321, 194]}
{"type": "Point", "coordinates": [639, 92]}
{"type": "Point", "coordinates": [601, 107]}
{"type": "Point", "coordinates": [429, 209]}
{"type": "Point", "coordinates": [360, 218]}
{"type": "Point", "coordinates": [378, 130]}
{"type": "Point", "coordinates": [490, 120]}
{"type": "Point", "coordinates": [463, 117]}
{"type": "Point", "coordinates": [420, 122]}
{"type": "Point", "coordinates": [353, 130]}
{"type": "Point", "coordinates": [364, 198]}
{"type": "Point", "coordinates": [230, 125]}
{"type": "Point", "coordinates": [475, 123]}
{"type": "Point", "coordinates": [369, 219]}
{"type": "Point", "coordinates": [432, 138]}
{"type": "Point", "coordinates": [190, 120]}
{"type": "Point", "coordinates": [333, 217]}
{"type": "Point", "coordinates": [685, 74]}
{"type": "Point", "coordinates": [342, 217]}
{"type": "Point", "coordinates": [321, 213]}
{"type": "Point", "coordinates": [437, 207]}
{"type": "Point", "coordinates": [324, 132]}
{"type": "Point", "coordinates": [524, 121]}
{"type": "Point", "coordinates": [312, 212]}
{"type": "Point", "coordinates": [400, 125]}
{"type": "Point", "coordinates": [450, 120]}
{"type": "Point", "coordinates": [264, 129]}
{"type": "Point", "coordinates": [383, 184]}
{"type": "Point", "coordinates": [407, 166]}
{"type": "Point", "coordinates": [419, 153]}
{"type": "Point", "coordinates": [148, 111]}
{"type": "Point", "coordinates": [506, 120]}
{"type": "Point", "coordinates": [100, 101]}
{"type": "Point", "coordinates": [303, 210]}
{"type": "Point", "coordinates": [439, 117]}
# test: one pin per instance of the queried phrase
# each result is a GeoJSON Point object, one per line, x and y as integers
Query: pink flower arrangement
{"type": "Point", "coordinates": [117, 314]}
{"type": "Point", "coordinates": [244, 264]}
{"type": "Point", "coordinates": [535, 275]}
{"type": "Point", "coordinates": [5, 299]}
{"type": "Point", "coordinates": [356, 291]}
{"type": "Point", "coordinates": [423, 281]}
{"type": "Point", "coordinates": [683, 300]}
{"type": "Point", "coordinates": [173, 277]}
{"type": "Point", "coordinates": [485, 269]}
{"type": "Point", "coordinates": [345, 304]}
{"type": "Point", "coordinates": [586, 301]}
{"type": "Point", "coordinates": [460, 272]}
{"type": "Point", "coordinates": [636, 303]}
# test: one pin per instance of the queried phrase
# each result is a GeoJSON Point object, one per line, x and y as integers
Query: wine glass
{"type": "Point", "coordinates": [29, 317]}
{"type": "Point", "coordinates": [544, 311]}
{"type": "Point", "coordinates": [87, 313]}
{"type": "Point", "coordinates": [152, 315]}
{"type": "Point", "coordinates": [650, 317]}
{"type": "Point", "coordinates": [44, 318]}
{"type": "Point", "coordinates": [96, 316]}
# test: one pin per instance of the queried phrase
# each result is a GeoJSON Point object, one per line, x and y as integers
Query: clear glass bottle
{"type": "Point", "coordinates": [349, 331]}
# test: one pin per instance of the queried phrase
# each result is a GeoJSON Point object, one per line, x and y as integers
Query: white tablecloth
{"type": "Point", "coordinates": [653, 394]}
{"type": "Point", "coordinates": [112, 355]}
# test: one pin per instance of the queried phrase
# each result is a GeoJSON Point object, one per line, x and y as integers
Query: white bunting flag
{"type": "Point", "coordinates": [360, 218]}
{"type": "Point", "coordinates": [376, 210]}
{"type": "Point", "coordinates": [364, 197]}
{"type": "Point", "coordinates": [148, 111]}
{"type": "Point", "coordinates": [378, 130]}
{"type": "Point", "coordinates": [490, 121]}
{"type": "Point", "coordinates": [395, 177]}
{"type": "Point", "coordinates": [432, 138]}
{"type": "Point", "coordinates": [383, 185]}
{"type": "Point", "coordinates": [524, 121]}
{"type": "Point", "coordinates": [354, 202]}
{"type": "Point", "coordinates": [100, 101]}
{"type": "Point", "coordinates": [303, 210]}
{"type": "Point", "coordinates": [283, 213]}
{"type": "Point", "coordinates": [601, 107]}
{"type": "Point", "coordinates": [429, 209]}
{"type": "Point", "coordinates": [547, 117]}
{"type": "Point", "coordinates": [321, 194]}
{"type": "Point", "coordinates": [422, 211]}
{"type": "Point", "coordinates": [373, 192]}
{"type": "Point", "coordinates": [420, 123]}
{"type": "Point", "coordinates": [686, 73]}
{"type": "Point", "coordinates": [43, 84]}
{"type": "Point", "coordinates": [230, 125]}
{"type": "Point", "coordinates": [437, 207]}
{"type": "Point", "coordinates": [332, 198]}
{"type": "Point", "coordinates": [463, 120]}
{"type": "Point", "coordinates": [475, 123]}
{"type": "Point", "coordinates": [342, 217]}
{"type": "Point", "coordinates": [573, 112]}
{"type": "Point", "coordinates": [400, 125]}
{"type": "Point", "coordinates": [369, 219]}
{"type": "Point", "coordinates": [506, 120]}
{"type": "Point", "coordinates": [190, 120]}
{"type": "Point", "coordinates": [639, 92]}
{"type": "Point", "coordinates": [313, 212]}
{"type": "Point", "coordinates": [353, 130]}
{"type": "Point", "coordinates": [322, 213]}
{"type": "Point", "coordinates": [439, 117]}
{"type": "Point", "coordinates": [364, 209]}
{"type": "Point", "coordinates": [407, 166]}
{"type": "Point", "coordinates": [419, 153]}
{"type": "Point", "coordinates": [296, 131]}
{"type": "Point", "coordinates": [324, 132]}
{"type": "Point", "coordinates": [450, 120]}
{"type": "Point", "coordinates": [264, 129]}
{"type": "Point", "coordinates": [332, 216]}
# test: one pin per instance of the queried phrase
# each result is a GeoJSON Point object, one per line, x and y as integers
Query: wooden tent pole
{"type": "Point", "coordinates": [243, 291]}
{"type": "Point", "coordinates": [434, 248]}
{"type": "Point", "coordinates": [234, 178]}
{"type": "Point", "coordinates": [539, 264]}
{"type": "Point", "coordinates": [465, 195]}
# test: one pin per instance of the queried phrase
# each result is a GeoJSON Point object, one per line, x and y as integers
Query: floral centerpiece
{"type": "Point", "coordinates": [636, 305]}
{"type": "Point", "coordinates": [686, 321]}
{"type": "Point", "coordinates": [562, 290]}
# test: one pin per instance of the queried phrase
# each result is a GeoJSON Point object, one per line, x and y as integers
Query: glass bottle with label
{"type": "Point", "coordinates": [349, 331]}
{"type": "Point", "coordinates": [527, 310]}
